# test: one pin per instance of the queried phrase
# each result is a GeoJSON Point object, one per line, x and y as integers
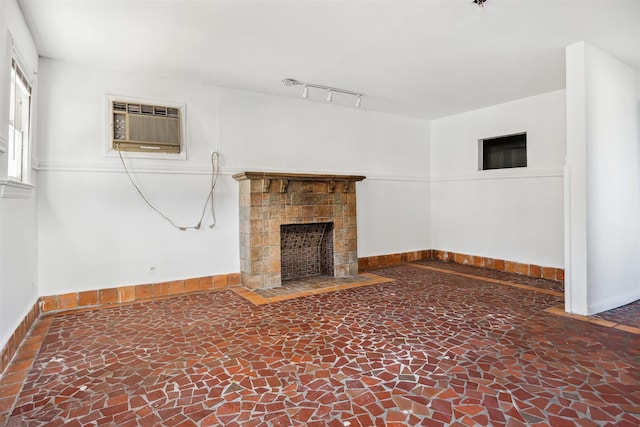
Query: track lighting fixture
{"type": "Point", "coordinates": [330, 90]}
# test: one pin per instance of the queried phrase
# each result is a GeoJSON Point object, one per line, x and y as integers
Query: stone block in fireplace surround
{"type": "Point", "coordinates": [269, 200]}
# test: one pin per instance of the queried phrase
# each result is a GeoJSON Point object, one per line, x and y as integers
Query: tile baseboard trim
{"type": "Point", "coordinates": [531, 270]}
{"type": "Point", "coordinates": [17, 338]}
{"type": "Point", "coordinates": [367, 263]}
{"type": "Point", "coordinates": [110, 297]}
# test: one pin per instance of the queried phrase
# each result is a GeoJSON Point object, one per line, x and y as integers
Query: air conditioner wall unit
{"type": "Point", "coordinates": [146, 127]}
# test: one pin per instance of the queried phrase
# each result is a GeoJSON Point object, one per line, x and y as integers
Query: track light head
{"type": "Point", "coordinates": [330, 96]}
{"type": "Point", "coordinates": [289, 82]}
{"type": "Point", "coordinates": [305, 91]}
{"type": "Point", "coordinates": [359, 101]}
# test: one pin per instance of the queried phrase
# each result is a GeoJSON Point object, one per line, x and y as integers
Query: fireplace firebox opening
{"type": "Point", "coordinates": [306, 250]}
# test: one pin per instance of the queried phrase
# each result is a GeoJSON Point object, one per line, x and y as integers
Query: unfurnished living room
{"type": "Point", "coordinates": [320, 213]}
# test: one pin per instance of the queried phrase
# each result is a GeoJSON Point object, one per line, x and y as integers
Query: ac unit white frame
{"type": "Point", "coordinates": [111, 152]}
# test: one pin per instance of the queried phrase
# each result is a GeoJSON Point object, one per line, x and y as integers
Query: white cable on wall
{"type": "Point", "coordinates": [214, 179]}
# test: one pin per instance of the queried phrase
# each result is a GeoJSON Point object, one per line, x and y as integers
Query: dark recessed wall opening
{"type": "Point", "coordinates": [306, 250]}
{"type": "Point", "coordinates": [504, 152]}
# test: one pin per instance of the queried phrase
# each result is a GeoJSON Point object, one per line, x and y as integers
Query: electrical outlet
{"type": "Point", "coordinates": [153, 269]}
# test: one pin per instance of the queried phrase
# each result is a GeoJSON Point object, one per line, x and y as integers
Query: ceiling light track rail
{"type": "Point", "coordinates": [330, 90]}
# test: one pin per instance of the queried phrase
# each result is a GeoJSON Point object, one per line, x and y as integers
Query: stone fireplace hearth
{"type": "Point", "coordinates": [316, 205]}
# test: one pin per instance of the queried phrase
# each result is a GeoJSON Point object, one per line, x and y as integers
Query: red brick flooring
{"type": "Point", "coordinates": [439, 345]}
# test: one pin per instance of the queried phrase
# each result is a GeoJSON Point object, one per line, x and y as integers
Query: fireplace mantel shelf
{"type": "Point", "coordinates": [296, 176]}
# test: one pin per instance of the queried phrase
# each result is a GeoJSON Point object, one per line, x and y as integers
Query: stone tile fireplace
{"type": "Point", "coordinates": [296, 225]}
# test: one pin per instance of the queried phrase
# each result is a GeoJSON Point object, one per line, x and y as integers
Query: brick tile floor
{"type": "Point", "coordinates": [495, 274]}
{"type": "Point", "coordinates": [627, 315]}
{"type": "Point", "coordinates": [435, 348]}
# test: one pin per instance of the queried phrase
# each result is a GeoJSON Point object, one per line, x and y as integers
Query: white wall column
{"type": "Point", "coordinates": [602, 186]}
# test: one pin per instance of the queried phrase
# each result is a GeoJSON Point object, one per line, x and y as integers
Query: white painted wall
{"type": "Point", "coordinates": [18, 237]}
{"type": "Point", "coordinates": [18, 266]}
{"type": "Point", "coordinates": [95, 232]}
{"type": "Point", "coordinates": [391, 216]}
{"type": "Point", "coordinates": [603, 155]}
{"type": "Point", "coordinates": [272, 133]}
{"type": "Point", "coordinates": [513, 214]}
{"type": "Point", "coordinates": [260, 132]}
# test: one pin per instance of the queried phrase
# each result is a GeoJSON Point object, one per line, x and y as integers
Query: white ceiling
{"type": "Point", "coordinates": [424, 58]}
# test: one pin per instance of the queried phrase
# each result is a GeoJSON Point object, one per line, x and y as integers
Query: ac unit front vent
{"type": "Point", "coordinates": [147, 109]}
{"type": "Point", "coordinates": [133, 108]}
{"type": "Point", "coordinates": [145, 128]}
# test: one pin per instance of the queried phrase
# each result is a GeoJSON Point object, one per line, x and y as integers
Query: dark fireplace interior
{"type": "Point", "coordinates": [306, 250]}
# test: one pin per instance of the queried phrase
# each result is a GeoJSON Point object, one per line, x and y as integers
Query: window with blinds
{"type": "Point", "coordinates": [19, 125]}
